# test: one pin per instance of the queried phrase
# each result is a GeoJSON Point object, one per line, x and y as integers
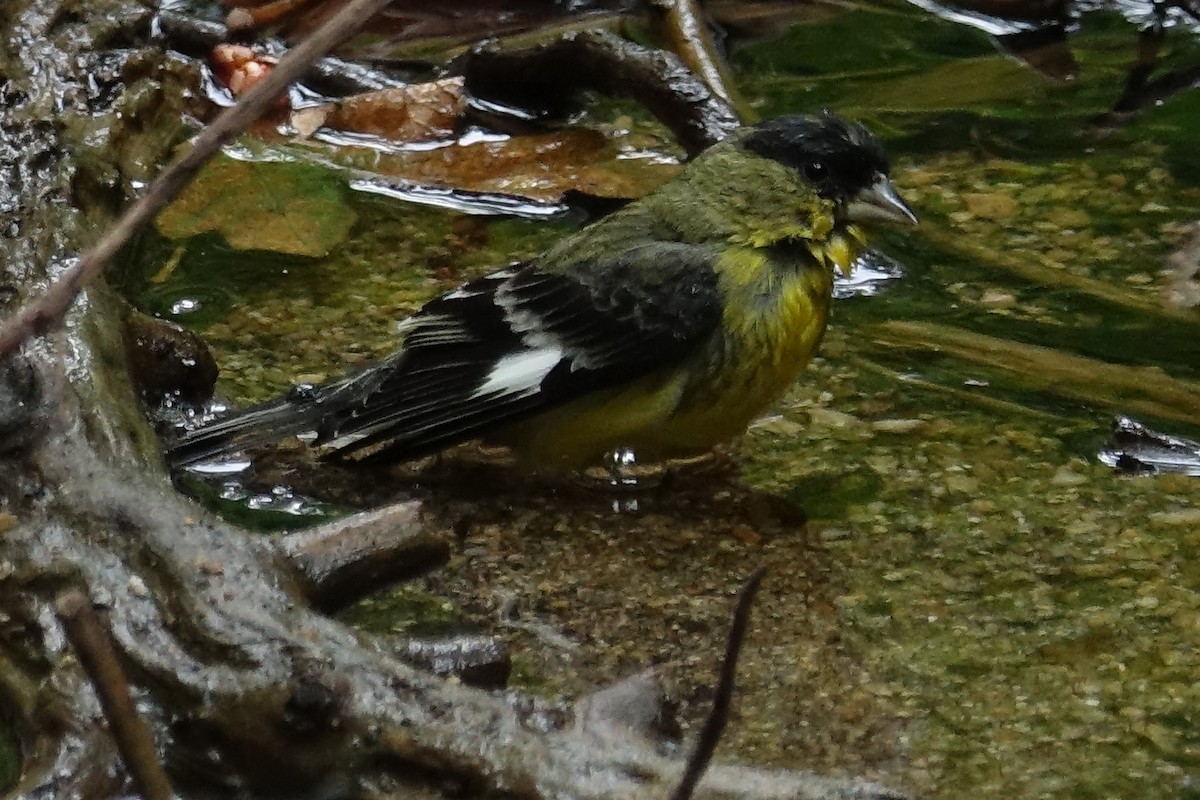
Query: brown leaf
{"type": "Point", "coordinates": [417, 112]}
{"type": "Point", "coordinates": [307, 120]}
{"type": "Point", "coordinates": [540, 167]}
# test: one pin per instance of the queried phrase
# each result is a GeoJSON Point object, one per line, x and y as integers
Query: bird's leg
{"type": "Point", "coordinates": [621, 463]}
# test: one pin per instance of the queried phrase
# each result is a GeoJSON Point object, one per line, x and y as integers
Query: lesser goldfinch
{"type": "Point", "coordinates": [662, 329]}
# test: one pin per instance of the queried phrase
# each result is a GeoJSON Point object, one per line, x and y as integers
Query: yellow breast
{"type": "Point", "coordinates": [773, 322]}
{"type": "Point", "coordinates": [770, 333]}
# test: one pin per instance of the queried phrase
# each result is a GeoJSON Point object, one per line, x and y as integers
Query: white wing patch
{"type": "Point", "coordinates": [531, 327]}
{"type": "Point", "coordinates": [520, 373]}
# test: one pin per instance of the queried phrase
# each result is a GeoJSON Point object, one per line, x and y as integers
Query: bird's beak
{"type": "Point", "coordinates": [880, 202]}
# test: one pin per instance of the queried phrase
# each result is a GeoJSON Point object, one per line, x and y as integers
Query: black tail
{"type": "Point", "coordinates": [245, 430]}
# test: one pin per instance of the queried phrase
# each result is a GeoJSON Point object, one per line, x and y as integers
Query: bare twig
{"type": "Point", "coordinates": [1125, 388]}
{"type": "Point", "coordinates": [92, 641]}
{"type": "Point", "coordinates": [1034, 271]}
{"type": "Point", "coordinates": [344, 560]}
{"type": "Point", "coordinates": [690, 37]}
{"type": "Point", "coordinates": [714, 724]}
{"type": "Point", "coordinates": [47, 312]}
{"type": "Point", "coordinates": [603, 62]}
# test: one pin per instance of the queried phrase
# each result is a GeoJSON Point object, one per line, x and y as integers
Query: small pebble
{"type": "Point", "coordinates": [137, 587]}
{"type": "Point", "coordinates": [997, 299]}
{"type": "Point", "coordinates": [897, 425]}
{"type": "Point", "coordinates": [828, 418]}
{"type": "Point", "coordinates": [1068, 477]}
{"type": "Point", "coordinates": [1184, 516]}
{"type": "Point", "coordinates": [993, 205]}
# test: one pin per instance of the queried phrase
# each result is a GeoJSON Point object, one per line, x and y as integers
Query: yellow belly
{"type": "Point", "coordinates": [685, 410]}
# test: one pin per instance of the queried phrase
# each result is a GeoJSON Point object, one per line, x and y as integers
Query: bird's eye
{"type": "Point", "coordinates": [816, 171]}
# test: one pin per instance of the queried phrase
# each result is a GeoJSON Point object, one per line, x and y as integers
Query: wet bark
{"type": "Point", "coordinates": [245, 685]}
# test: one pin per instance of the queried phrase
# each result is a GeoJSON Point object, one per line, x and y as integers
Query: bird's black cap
{"type": "Point", "coordinates": [840, 158]}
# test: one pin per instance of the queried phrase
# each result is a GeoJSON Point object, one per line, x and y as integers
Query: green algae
{"type": "Point", "coordinates": [405, 610]}
{"type": "Point", "coordinates": [279, 207]}
{"type": "Point", "coordinates": [1009, 593]}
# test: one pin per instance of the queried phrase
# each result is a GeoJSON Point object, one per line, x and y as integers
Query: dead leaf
{"type": "Point", "coordinates": [306, 121]}
{"type": "Point", "coordinates": [418, 112]}
{"type": "Point", "coordinates": [540, 167]}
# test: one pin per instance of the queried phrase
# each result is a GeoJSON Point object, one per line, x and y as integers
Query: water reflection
{"type": "Point", "coordinates": [457, 200]}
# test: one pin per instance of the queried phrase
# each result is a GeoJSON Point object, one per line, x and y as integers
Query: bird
{"type": "Point", "coordinates": [660, 330]}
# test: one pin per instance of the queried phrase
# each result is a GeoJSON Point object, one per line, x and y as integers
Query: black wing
{"type": "Point", "coordinates": [508, 345]}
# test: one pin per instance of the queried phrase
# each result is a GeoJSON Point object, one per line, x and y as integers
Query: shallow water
{"type": "Point", "coordinates": [975, 604]}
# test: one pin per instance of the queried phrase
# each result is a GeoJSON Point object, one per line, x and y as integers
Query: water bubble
{"type": "Point", "coordinates": [232, 490]}
{"type": "Point", "coordinates": [185, 305]}
{"type": "Point", "coordinates": [302, 392]}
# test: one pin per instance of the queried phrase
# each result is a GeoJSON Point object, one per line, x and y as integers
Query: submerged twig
{"type": "Point", "coordinates": [47, 312]}
{"type": "Point", "coordinates": [92, 641]}
{"type": "Point", "coordinates": [960, 395]}
{"type": "Point", "coordinates": [1034, 271]}
{"type": "Point", "coordinates": [718, 715]}
{"type": "Point", "coordinates": [1136, 389]}
{"type": "Point", "coordinates": [249, 17]}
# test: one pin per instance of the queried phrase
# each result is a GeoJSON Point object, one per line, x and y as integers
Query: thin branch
{"type": "Point", "coordinates": [47, 312]}
{"type": "Point", "coordinates": [714, 724]}
{"type": "Point", "coordinates": [329, 75]}
{"type": "Point", "coordinates": [92, 641]}
{"type": "Point", "coordinates": [604, 62]}
{"type": "Point", "coordinates": [342, 561]}
{"type": "Point", "coordinates": [1125, 388]}
{"type": "Point", "coordinates": [690, 37]}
